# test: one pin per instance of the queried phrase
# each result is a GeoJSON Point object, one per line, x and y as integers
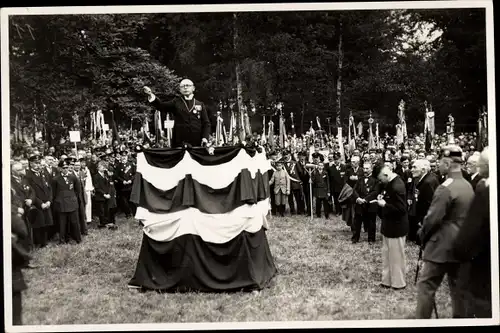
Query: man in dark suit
{"type": "Point", "coordinates": [440, 227]}
{"type": "Point", "coordinates": [20, 201]}
{"type": "Point", "coordinates": [295, 201]}
{"type": "Point", "coordinates": [365, 212]}
{"type": "Point", "coordinates": [40, 216]}
{"type": "Point", "coordinates": [472, 247]}
{"type": "Point", "coordinates": [336, 173]}
{"type": "Point", "coordinates": [425, 184]}
{"type": "Point", "coordinates": [102, 194]}
{"type": "Point", "coordinates": [66, 190]}
{"type": "Point", "coordinates": [394, 227]}
{"type": "Point", "coordinates": [304, 178]}
{"type": "Point", "coordinates": [192, 123]}
{"type": "Point", "coordinates": [124, 178]}
{"type": "Point", "coordinates": [353, 172]}
{"type": "Point", "coordinates": [20, 260]}
{"type": "Point", "coordinates": [475, 176]}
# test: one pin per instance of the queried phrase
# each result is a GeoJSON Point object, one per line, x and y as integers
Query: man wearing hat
{"type": "Point", "coordinates": [440, 227]}
{"type": "Point", "coordinates": [40, 216]}
{"type": "Point", "coordinates": [192, 123]}
{"type": "Point", "coordinates": [335, 175]}
{"type": "Point", "coordinates": [124, 174]}
{"type": "Point", "coordinates": [66, 190]}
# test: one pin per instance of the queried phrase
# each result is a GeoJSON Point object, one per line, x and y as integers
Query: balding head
{"type": "Point", "coordinates": [186, 87]}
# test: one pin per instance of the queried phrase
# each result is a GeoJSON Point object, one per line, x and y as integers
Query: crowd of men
{"type": "Point", "coordinates": [57, 195]}
{"type": "Point", "coordinates": [438, 200]}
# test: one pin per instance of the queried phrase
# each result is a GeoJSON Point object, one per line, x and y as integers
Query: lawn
{"type": "Point", "coordinates": [321, 276]}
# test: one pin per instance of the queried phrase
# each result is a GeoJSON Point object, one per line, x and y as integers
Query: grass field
{"type": "Point", "coordinates": [321, 276]}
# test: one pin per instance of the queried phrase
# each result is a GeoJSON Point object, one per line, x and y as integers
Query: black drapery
{"type": "Point", "coordinates": [190, 193]}
{"type": "Point", "coordinates": [187, 263]}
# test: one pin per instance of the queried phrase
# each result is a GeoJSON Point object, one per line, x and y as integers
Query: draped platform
{"type": "Point", "coordinates": [205, 220]}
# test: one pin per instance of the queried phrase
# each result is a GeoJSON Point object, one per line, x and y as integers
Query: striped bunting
{"type": "Point", "coordinates": [196, 197]}
{"type": "Point", "coordinates": [214, 176]}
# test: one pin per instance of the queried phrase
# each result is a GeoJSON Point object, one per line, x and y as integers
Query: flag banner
{"type": "Point", "coordinates": [204, 218]}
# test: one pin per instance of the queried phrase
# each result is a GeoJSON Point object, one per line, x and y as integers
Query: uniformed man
{"type": "Point", "coordinates": [192, 123]}
{"type": "Point", "coordinates": [102, 194]}
{"type": "Point", "coordinates": [440, 227]}
{"type": "Point", "coordinates": [66, 190]}
{"type": "Point", "coordinates": [124, 177]}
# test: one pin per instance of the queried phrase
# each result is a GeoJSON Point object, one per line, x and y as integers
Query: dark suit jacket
{"type": "Point", "coordinates": [474, 181]}
{"type": "Point", "coordinates": [19, 192]}
{"type": "Point", "coordinates": [20, 256]}
{"type": "Point", "coordinates": [40, 186]}
{"type": "Point", "coordinates": [350, 172]}
{"type": "Point", "coordinates": [321, 186]}
{"type": "Point", "coordinates": [394, 214]}
{"type": "Point", "coordinates": [66, 194]}
{"type": "Point", "coordinates": [366, 190]}
{"type": "Point", "coordinates": [425, 189]}
{"type": "Point", "coordinates": [472, 244]}
{"type": "Point", "coordinates": [189, 127]}
{"type": "Point", "coordinates": [335, 176]}
{"type": "Point", "coordinates": [124, 172]}
{"type": "Point", "coordinates": [101, 186]}
{"type": "Point", "coordinates": [446, 214]}
{"type": "Point", "coordinates": [40, 192]}
{"type": "Point", "coordinates": [291, 168]}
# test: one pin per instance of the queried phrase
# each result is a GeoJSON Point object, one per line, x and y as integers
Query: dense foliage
{"type": "Point", "coordinates": [63, 67]}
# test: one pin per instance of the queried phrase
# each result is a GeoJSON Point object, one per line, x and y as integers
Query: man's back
{"type": "Point", "coordinates": [445, 217]}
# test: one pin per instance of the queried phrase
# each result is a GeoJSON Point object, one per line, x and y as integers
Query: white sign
{"type": "Point", "coordinates": [74, 136]}
{"type": "Point", "coordinates": [106, 127]}
{"type": "Point", "coordinates": [169, 124]}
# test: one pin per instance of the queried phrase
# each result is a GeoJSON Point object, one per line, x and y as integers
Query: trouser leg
{"type": "Point", "coordinates": [17, 308]}
{"type": "Point", "coordinates": [356, 227]}
{"type": "Point", "coordinates": [429, 281]}
{"type": "Point", "coordinates": [371, 221]}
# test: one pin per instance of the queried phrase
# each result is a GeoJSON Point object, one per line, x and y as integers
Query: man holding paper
{"type": "Point", "coordinates": [394, 228]}
{"type": "Point", "coordinates": [192, 124]}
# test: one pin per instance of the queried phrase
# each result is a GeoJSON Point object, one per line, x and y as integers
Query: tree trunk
{"type": "Point", "coordinates": [340, 58]}
{"type": "Point", "coordinates": [302, 117]}
{"type": "Point", "coordinates": [239, 88]}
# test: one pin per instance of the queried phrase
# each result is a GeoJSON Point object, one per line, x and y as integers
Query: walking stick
{"type": "Point", "coordinates": [416, 278]}
{"type": "Point", "coordinates": [310, 168]}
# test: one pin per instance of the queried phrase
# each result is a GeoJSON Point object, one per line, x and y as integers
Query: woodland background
{"type": "Point", "coordinates": [321, 63]}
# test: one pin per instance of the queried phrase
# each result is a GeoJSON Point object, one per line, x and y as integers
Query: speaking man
{"type": "Point", "coordinates": [192, 124]}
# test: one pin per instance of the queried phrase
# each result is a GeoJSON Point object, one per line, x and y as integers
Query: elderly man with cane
{"type": "Point", "coordinates": [440, 227]}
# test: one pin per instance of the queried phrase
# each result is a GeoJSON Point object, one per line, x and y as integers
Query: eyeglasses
{"type": "Point", "coordinates": [186, 85]}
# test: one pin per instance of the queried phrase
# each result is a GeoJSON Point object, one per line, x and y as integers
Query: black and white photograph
{"type": "Point", "coordinates": [271, 165]}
